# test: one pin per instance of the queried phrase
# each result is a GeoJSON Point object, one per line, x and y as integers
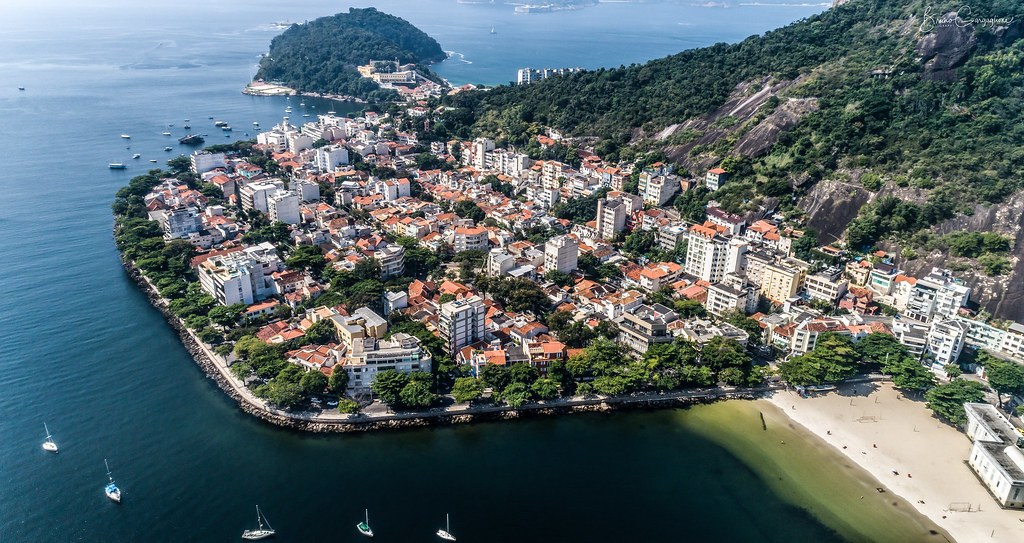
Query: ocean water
{"type": "Point", "coordinates": [83, 351]}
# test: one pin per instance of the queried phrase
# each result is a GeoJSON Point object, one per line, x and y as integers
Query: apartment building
{"type": "Point", "coordinates": [645, 326]}
{"type": "Point", "coordinates": [781, 281]}
{"type": "Point", "coordinates": [561, 253]}
{"type": "Point", "coordinates": [283, 206]}
{"type": "Point", "coordinates": [828, 285]}
{"type": "Point", "coordinates": [733, 293]}
{"type": "Point", "coordinates": [715, 178]}
{"type": "Point", "coordinates": [611, 217]}
{"type": "Point", "coordinates": [997, 453]}
{"type": "Point", "coordinates": [470, 239]}
{"type": "Point", "coordinates": [369, 356]}
{"type": "Point", "coordinates": [710, 255]}
{"type": "Point", "coordinates": [461, 323]}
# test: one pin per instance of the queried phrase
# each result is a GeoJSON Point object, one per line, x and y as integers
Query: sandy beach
{"type": "Point", "coordinates": [878, 429]}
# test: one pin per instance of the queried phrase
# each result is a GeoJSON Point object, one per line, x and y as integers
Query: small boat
{"type": "Point", "coordinates": [302, 103]}
{"type": "Point", "coordinates": [331, 112]}
{"type": "Point", "coordinates": [305, 114]}
{"type": "Point", "coordinates": [136, 155]}
{"type": "Point", "coordinates": [168, 148]}
{"type": "Point", "coordinates": [21, 88]}
{"type": "Point", "coordinates": [445, 534]}
{"type": "Point", "coordinates": [187, 127]}
{"type": "Point", "coordinates": [116, 166]}
{"type": "Point", "coordinates": [111, 489]}
{"type": "Point", "coordinates": [126, 136]}
{"type": "Point", "coordinates": [261, 532]}
{"type": "Point", "coordinates": [49, 445]}
{"type": "Point", "coordinates": [211, 118]}
{"type": "Point", "coordinates": [492, 30]}
{"type": "Point", "coordinates": [166, 133]}
{"type": "Point", "coordinates": [364, 527]}
{"type": "Point", "coordinates": [220, 123]}
{"type": "Point", "coordinates": [191, 139]}
{"type": "Point", "coordinates": [255, 123]}
{"type": "Point", "coordinates": [152, 160]}
{"type": "Point", "coordinates": [226, 128]}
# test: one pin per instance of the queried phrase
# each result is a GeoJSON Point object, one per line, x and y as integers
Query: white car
{"type": "Point", "coordinates": [332, 403]}
{"type": "Point", "coordinates": [315, 400]}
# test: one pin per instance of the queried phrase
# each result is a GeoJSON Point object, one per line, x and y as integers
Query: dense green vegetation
{"type": "Point", "coordinates": [322, 55]}
{"type": "Point", "coordinates": [878, 109]}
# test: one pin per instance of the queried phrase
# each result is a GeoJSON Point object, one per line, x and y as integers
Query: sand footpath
{"type": "Point", "coordinates": [881, 431]}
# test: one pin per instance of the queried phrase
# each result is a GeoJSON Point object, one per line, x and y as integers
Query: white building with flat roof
{"type": "Point", "coordinates": [997, 455]}
{"type": "Point", "coordinates": [204, 161]}
{"type": "Point", "coordinates": [461, 322]}
{"type": "Point", "coordinates": [283, 206]}
{"type": "Point", "coordinates": [561, 253]}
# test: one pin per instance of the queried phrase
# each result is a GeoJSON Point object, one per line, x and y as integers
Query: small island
{"type": "Point", "coordinates": [362, 55]}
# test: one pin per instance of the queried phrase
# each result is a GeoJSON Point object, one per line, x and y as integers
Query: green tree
{"type": "Point", "coordinates": [322, 332]}
{"type": "Point", "coordinates": [947, 400]}
{"type": "Point", "coordinates": [307, 258]}
{"type": "Point", "coordinates": [559, 320]}
{"type": "Point", "coordinates": [347, 406]}
{"type": "Point", "coordinates": [495, 377]}
{"type": "Point", "coordinates": [559, 278]}
{"type": "Point", "coordinates": [467, 389]}
{"type": "Point", "coordinates": [388, 385]}
{"type": "Point", "coordinates": [367, 269]}
{"type": "Point", "coordinates": [417, 395]}
{"type": "Point", "coordinates": [721, 353]}
{"type": "Point", "coordinates": [833, 358]}
{"type": "Point", "coordinates": [1004, 377]}
{"type": "Point", "coordinates": [908, 373]}
{"type": "Point", "coordinates": [952, 371]}
{"type": "Point", "coordinates": [544, 389]}
{"type": "Point", "coordinates": [338, 382]}
{"type": "Point", "coordinates": [516, 394]}
{"type": "Point", "coordinates": [313, 382]}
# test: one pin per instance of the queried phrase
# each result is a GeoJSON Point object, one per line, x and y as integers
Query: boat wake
{"type": "Point", "coordinates": [462, 57]}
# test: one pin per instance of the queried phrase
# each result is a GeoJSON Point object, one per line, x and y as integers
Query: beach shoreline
{"type": "Point", "coordinates": [912, 453]}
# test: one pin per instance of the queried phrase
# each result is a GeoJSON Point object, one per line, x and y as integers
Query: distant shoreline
{"type": "Point", "coordinates": [273, 89]}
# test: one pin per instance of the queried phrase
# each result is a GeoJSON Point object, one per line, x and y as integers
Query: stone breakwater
{"type": "Point", "coordinates": [320, 423]}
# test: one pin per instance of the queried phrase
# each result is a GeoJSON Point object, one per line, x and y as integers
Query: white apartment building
{"type": "Point", "coordinates": [461, 323]}
{"type": "Point", "coordinates": [828, 285]}
{"type": "Point", "coordinates": [936, 295]}
{"type": "Point", "coordinates": [254, 195]}
{"type": "Point", "coordinates": [611, 217]}
{"type": "Point", "coordinates": [658, 189]}
{"type": "Point", "coordinates": [561, 253]}
{"type": "Point", "coordinates": [997, 455]}
{"type": "Point", "coordinates": [715, 178]}
{"type": "Point", "coordinates": [710, 256]}
{"type": "Point", "coordinates": [731, 294]}
{"type": "Point", "coordinates": [499, 262]}
{"type": "Point", "coordinates": [204, 161]}
{"type": "Point", "coordinates": [470, 239]}
{"type": "Point", "coordinates": [283, 206]}
{"type": "Point", "coordinates": [234, 278]}
{"type": "Point", "coordinates": [368, 356]}
{"type": "Point", "coordinates": [392, 260]}
{"type": "Point", "coordinates": [180, 221]}
{"type": "Point", "coordinates": [945, 342]}
{"type": "Point", "coordinates": [329, 157]}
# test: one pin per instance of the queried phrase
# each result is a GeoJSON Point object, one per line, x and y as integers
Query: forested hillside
{"type": "Point", "coordinates": [924, 117]}
{"type": "Point", "coordinates": [322, 55]}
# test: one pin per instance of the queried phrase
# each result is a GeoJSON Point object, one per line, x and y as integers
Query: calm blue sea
{"type": "Point", "coordinates": [81, 349]}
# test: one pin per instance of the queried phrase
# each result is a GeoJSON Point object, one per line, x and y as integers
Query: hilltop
{"type": "Point", "coordinates": [322, 55]}
{"type": "Point", "coordinates": [878, 122]}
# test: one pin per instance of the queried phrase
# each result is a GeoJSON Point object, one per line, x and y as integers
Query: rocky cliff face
{"type": "Point", "coordinates": [831, 205]}
{"type": "Point", "coordinates": [1001, 296]}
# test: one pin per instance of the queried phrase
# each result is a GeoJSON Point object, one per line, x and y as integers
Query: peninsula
{"type": "Point", "coordinates": [590, 241]}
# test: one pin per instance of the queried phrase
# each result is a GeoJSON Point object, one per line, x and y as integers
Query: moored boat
{"type": "Point", "coordinates": [261, 532]}
{"type": "Point", "coordinates": [446, 534]}
{"type": "Point", "coordinates": [49, 444]}
{"type": "Point", "coordinates": [116, 166]}
{"type": "Point", "coordinates": [364, 527]}
{"type": "Point", "coordinates": [111, 489]}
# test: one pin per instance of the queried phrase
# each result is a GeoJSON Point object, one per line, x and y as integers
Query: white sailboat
{"type": "Point", "coordinates": [364, 527]}
{"type": "Point", "coordinates": [111, 489]}
{"type": "Point", "coordinates": [261, 532]}
{"type": "Point", "coordinates": [445, 534]}
{"type": "Point", "coordinates": [49, 445]}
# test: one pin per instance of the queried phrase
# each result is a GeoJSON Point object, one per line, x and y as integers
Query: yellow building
{"type": "Point", "coordinates": [781, 281]}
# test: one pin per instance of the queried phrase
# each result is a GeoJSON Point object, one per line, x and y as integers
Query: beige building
{"type": "Point", "coordinates": [781, 281]}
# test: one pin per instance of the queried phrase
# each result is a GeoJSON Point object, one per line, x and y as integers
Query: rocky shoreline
{"type": "Point", "coordinates": [305, 422]}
